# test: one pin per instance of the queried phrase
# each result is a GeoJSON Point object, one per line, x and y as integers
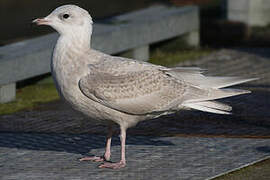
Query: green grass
{"type": "Point", "coordinates": [257, 171]}
{"type": "Point", "coordinates": [174, 51]}
{"type": "Point", "coordinates": [171, 58]}
{"type": "Point", "coordinates": [29, 97]}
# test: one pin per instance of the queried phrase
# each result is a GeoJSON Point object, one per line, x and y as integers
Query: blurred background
{"type": "Point", "coordinates": [223, 22]}
{"type": "Point", "coordinates": [16, 16]}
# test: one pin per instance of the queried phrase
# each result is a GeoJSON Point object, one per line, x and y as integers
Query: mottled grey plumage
{"type": "Point", "coordinates": [125, 91]}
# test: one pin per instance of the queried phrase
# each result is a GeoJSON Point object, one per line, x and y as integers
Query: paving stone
{"type": "Point", "coordinates": [55, 156]}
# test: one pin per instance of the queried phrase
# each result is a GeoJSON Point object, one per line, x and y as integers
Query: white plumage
{"type": "Point", "coordinates": [120, 90]}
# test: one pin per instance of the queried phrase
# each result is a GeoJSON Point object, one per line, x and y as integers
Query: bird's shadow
{"type": "Point", "coordinates": [264, 149]}
{"type": "Point", "coordinates": [78, 144]}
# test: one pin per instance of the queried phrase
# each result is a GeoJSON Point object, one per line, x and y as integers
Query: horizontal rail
{"type": "Point", "coordinates": [30, 58]}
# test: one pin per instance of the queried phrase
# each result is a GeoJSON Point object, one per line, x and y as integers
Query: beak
{"type": "Point", "coordinates": [41, 21]}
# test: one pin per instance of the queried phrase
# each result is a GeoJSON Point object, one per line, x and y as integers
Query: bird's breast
{"type": "Point", "coordinates": [66, 73]}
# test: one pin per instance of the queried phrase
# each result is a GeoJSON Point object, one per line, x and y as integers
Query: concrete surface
{"type": "Point", "coordinates": [55, 156]}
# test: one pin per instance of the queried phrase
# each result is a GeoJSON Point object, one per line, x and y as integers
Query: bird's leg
{"type": "Point", "coordinates": [122, 162]}
{"type": "Point", "coordinates": [107, 154]}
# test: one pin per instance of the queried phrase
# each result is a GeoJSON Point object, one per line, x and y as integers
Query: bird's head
{"type": "Point", "coordinates": [68, 20]}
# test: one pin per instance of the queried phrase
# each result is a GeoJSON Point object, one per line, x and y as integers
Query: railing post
{"type": "Point", "coordinates": [138, 53]}
{"type": "Point", "coordinates": [193, 38]}
{"type": "Point", "coordinates": [141, 53]}
{"type": "Point", "coordinates": [7, 92]}
{"type": "Point", "coordinates": [250, 12]}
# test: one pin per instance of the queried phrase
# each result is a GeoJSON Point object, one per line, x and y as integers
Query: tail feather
{"type": "Point", "coordinates": [194, 76]}
{"type": "Point", "coordinates": [205, 89]}
{"type": "Point", "coordinates": [215, 105]}
{"type": "Point", "coordinates": [221, 82]}
{"type": "Point", "coordinates": [210, 106]}
{"type": "Point", "coordinates": [213, 94]}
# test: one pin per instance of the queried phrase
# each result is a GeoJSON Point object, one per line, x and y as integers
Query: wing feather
{"type": "Point", "coordinates": [141, 92]}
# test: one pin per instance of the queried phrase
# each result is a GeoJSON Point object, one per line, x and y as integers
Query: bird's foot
{"type": "Point", "coordinates": [112, 165]}
{"type": "Point", "coordinates": [94, 159]}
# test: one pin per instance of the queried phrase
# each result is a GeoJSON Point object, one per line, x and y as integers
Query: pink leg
{"type": "Point", "coordinates": [122, 162]}
{"type": "Point", "coordinates": [107, 154]}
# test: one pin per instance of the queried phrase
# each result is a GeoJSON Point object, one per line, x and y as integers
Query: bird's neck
{"type": "Point", "coordinates": [74, 40]}
{"type": "Point", "coordinates": [80, 40]}
{"type": "Point", "coordinates": [71, 44]}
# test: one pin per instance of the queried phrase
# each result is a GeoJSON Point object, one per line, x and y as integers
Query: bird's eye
{"type": "Point", "coordinates": [65, 16]}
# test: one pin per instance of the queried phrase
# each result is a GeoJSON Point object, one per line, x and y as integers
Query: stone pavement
{"type": "Point", "coordinates": [45, 143]}
{"type": "Point", "coordinates": [27, 156]}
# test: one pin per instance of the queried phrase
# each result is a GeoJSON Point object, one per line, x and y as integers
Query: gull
{"type": "Point", "coordinates": [110, 89]}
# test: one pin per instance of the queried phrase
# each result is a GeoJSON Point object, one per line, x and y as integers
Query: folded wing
{"type": "Point", "coordinates": [141, 88]}
{"type": "Point", "coordinates": [139, 92]}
